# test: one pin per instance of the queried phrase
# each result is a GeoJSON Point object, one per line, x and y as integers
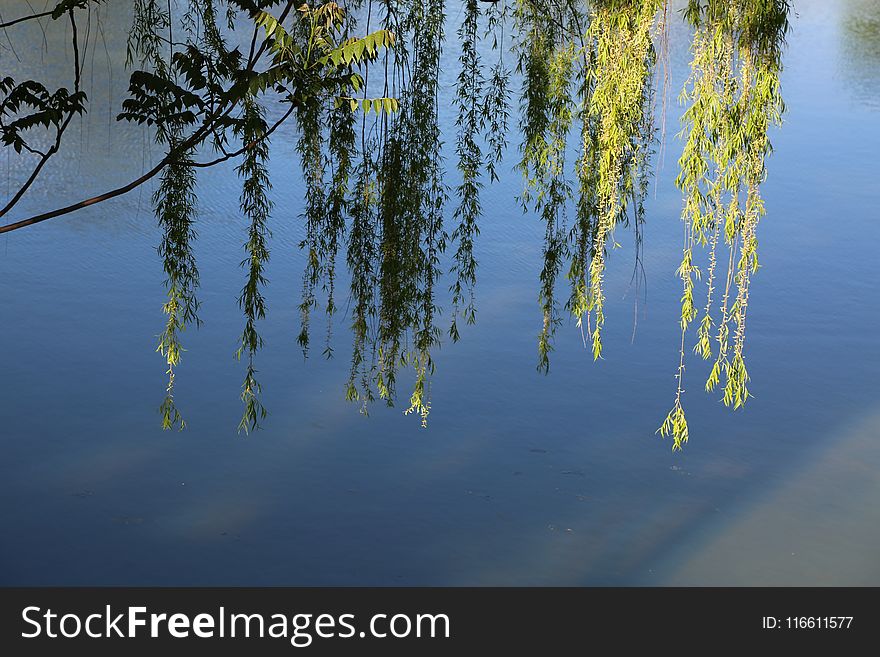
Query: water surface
{"type": "Point", "coordinates": [520, 478]}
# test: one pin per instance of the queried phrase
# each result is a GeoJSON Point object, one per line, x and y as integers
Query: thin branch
{"type": "Point", "coordinates": [3, 26]}
{"type": "Point", "coordinates": [184, 145]}
{"type": "Point", "coordinates": [59, 130]}
{"type": "Point", "coordinates": [249, 145]}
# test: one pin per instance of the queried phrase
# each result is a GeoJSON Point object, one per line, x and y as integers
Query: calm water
{"type": "Point", "coordinates": [520, 478]}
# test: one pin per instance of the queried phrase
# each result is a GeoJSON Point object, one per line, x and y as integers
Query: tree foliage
{"type": "Point", "coordinates": [361, 82]}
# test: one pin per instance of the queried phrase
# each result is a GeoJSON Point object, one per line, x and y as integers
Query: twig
{"type": "Point", "coordinates": [59, 131]}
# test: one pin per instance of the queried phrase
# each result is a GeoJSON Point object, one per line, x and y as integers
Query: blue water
{"type": "Point", "coordinates": [520, 478]}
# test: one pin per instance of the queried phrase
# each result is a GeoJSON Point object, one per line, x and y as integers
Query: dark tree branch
{"type": "Point", "coordinates": [249, 145]}
{"type": "Point", "coordinates": [59, 132]}
{"type": "Point", "coordinates": [3, 26]}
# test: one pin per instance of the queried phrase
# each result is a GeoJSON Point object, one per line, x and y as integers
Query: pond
{"type": "Point", "coordinates": [519, 478]}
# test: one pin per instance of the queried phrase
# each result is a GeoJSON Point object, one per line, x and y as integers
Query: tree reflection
{"type": "Point", "coordinates": [860, 48]}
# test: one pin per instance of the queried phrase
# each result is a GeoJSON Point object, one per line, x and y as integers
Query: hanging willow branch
{"type": "Point", "coordinates": [255, 206]}
{"type": "Point", "coordinates": [175, 201]}
{"type": "Point", "coordinates": [734, 98]}
{"type": "Point", "coordinates": [618, 103]}
{"type": "Point", "coordinates": [469, 91]}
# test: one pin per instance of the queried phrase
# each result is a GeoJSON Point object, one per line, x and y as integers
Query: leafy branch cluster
{"type": "Point", "coordinates": [199, 95]}
{"type": "Point", "coordinates": [361, 81]}
{"type": "Point", "coordinates": [734, 97]}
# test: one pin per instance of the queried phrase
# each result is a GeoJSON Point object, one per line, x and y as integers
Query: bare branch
{"type": "Point", "coordinates": [3, 26]}
{"type": "Point", "coordinates": [59, 130]}
{"type": "Point", "coordinates": [249, 145]}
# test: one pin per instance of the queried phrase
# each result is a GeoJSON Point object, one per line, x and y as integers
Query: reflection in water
{"type": "Point", "coordinates": [512, 461]}
{"type": "Point", "coordinates": [860, 48]}
{"type": "Point", "coordinates": [836, 490]}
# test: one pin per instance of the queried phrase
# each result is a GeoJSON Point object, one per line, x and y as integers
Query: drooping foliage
{"type": "Point", "coordinates": [590, 68]}
{"type": "Point", "coordinates": [255, 205]}
{"type": "Point", "coordinates": [734, 97]}
{"type": "Point", "coordinates": [203, 98]}
{"type": "Point", "coordinates": [362, 82]}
